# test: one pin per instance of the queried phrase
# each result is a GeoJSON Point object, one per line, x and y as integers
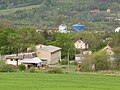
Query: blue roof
{"type": "Point", "coordinates": [78, 27]}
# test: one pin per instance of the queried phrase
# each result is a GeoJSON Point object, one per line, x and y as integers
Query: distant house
{"type": "Point", "coordinates": [15, 59]}
{"type": "Point", "coordinates": [81, 44]}
{"type": "Point", "coordinates": [50, 53]}
{"type": "Point", "coordinates": [108, 49]}
{"type": "Point", "coordinates": [110, 55]}
{"type": "Point", "coordinates": [94, 11]}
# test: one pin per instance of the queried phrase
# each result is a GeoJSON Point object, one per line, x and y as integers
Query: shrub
{"type": "Point", "coordinates": [55, 70]}
{"type": "Point", "coordinates": [32, 70]}
{"type": "Point", "coordinates": [21, 67]}
{"type": "Point", "coordinates": [6, 67]}
{"type": "Point", "coordinates": [64, 62]}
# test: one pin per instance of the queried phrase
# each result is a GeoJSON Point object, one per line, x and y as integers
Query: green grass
{"type": "Point", "coordinates": [8, 11]}
{"type": "Point", "coordinates": [38, 81]}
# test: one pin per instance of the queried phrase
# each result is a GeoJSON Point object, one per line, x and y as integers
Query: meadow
{"type": "Point", "coordinates": [42, 81]}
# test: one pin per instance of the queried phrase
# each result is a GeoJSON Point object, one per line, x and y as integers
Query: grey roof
{"type": "Point", "coordinates": [50, 48]}
{"type": "Point", "coordinates": [31, 60]}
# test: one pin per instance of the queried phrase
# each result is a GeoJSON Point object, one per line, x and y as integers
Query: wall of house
{"type": "Point", "coordinates": [44, 55]}
{"type": "Point", "coordinates": [55, 57]}
{"type": "Point", "coordinates": [52, 58]}
{"type": "Point", "coordinates": [80, 45]}
{"type": "Point", "coordinates": [13, 62]}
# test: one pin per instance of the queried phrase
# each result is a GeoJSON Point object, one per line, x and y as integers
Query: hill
{"type": "Point", "coordinates": [51, 13]}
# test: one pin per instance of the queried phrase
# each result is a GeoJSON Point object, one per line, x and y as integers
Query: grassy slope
{"type": "Point", "coordinates": [29, 81]}
{"type": "Point", "coordinates": [8, 11]}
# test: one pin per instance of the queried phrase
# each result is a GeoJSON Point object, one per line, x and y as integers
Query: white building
{"type": "Point", "coordinates": [80, 44]}
{"type": "Point", "coordinates": [117, 29]}
{"type": "Point", "coordinates": [15, 59]}
{"type": "Point", "coordinates": [63, 28]}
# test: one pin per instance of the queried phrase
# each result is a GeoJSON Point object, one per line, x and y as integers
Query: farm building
{"type": "Point", "coordinates": [15, 59]}
{"type": "Point", "coordinates": [50, 53]}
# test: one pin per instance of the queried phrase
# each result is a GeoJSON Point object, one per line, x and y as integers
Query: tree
{"type": "Point", "coordinates": [99, 59]}
{"type": "Point", "coordinates": [24, 38]}
{"type": "Point", "coordinates": [5, 47]}
{"type": "Point", "coordinates": [64, 41]}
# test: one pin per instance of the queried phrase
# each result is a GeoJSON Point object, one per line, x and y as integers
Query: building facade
{"type": "Point", "coordinates": [50, 53]}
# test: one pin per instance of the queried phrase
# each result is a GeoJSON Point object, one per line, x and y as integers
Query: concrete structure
{"type": "Point", "coordinates": [117, 29]}
{"type": "Point", "coordinates": [80, 44]}
{"type": "Point", "coordinates": [79, 58]}
{"type": "Point", "coordinates": [30, 62]}
{"type": "Point", "coordinates": [15, 59]}
{"type": "Point", "coordinates": [50, 53]}
{"type": "Point", "coordinates": [78, 28]}
{"type": "Point", "coordinates": [63, 28]}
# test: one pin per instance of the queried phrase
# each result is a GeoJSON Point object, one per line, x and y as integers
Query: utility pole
{"type": "Point", "coordinates": [68, 62]}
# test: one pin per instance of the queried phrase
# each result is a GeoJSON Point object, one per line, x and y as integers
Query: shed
{"type": "Point", "coordinates": [50, 53]}
{"type": "Point", "coordinates": [31, 62]}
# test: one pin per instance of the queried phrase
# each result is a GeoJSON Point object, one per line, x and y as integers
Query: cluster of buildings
{"type": "Point", "coordinates": [51, 55]}
{"type": "Point", "coordinates": [43, 55]}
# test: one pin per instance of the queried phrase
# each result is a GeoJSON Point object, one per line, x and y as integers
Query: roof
{"type": "Point", "coordinates": [31, 60]}
{"type": "Point", "coordinates": [83, 40]}
{"type": "Point", "coordinates": [107, 48]}
{"type": "Point", "coordinates": [21, 55]}
{"type": "Point", "coordinates": [50, 48]}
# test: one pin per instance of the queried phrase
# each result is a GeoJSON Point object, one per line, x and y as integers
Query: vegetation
{"type": "Point", "coordinates": [55, 71]}
{"type": "Point", "coordinates": [32, 70]}
{"type": "Point", "coordinates": [64, 62]}
{"type": "Point", "coordinates": [5, 67]}
{"type": "Point", "coordinates": [22, 67]}
{"type": "Point", "coordinates": [36, 81]}
{"type": "Point", "coordinates": [51, 13]}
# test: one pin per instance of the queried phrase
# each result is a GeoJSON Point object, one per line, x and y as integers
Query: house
{"type": "Point", "coordinates": [50, 53]}
{"type": "Point", "coordinates": [15, 59]}
{"type": "Point", "coordinates": [94, 11]}
{"type": "Point", "coordinates": [110, 55]}
{"type": "Point", "coordinates": [108, 49]}
{"type": "Point", "coordinates": [81, 44]}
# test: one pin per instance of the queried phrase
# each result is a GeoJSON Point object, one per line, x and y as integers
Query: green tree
{"type": "Point", "coordinates": [64, 41]}
{"type": "Point", "coordinates": [24, 38]}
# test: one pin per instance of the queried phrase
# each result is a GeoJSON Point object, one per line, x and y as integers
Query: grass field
{"type": "Point", "coordinates": [37, 81]}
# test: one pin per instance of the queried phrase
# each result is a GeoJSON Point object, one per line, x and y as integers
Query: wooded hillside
{"type": "Point", "coordinates": [51, 13]}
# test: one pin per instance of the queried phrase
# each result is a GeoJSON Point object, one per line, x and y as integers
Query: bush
{"type": "Point", "coordinates": [6, 67]}
{"type": "Point", "coordinates": [32, 70]}
{"type": "Point", "coordinates": [55, 70]}
{"type": "Point", "coordinates": [64, 62]}
{"type": "Point", "coordinates": [21, 67]}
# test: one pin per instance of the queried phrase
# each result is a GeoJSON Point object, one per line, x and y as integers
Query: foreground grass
{"type": "Point", "coordinates": [37, 81]}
